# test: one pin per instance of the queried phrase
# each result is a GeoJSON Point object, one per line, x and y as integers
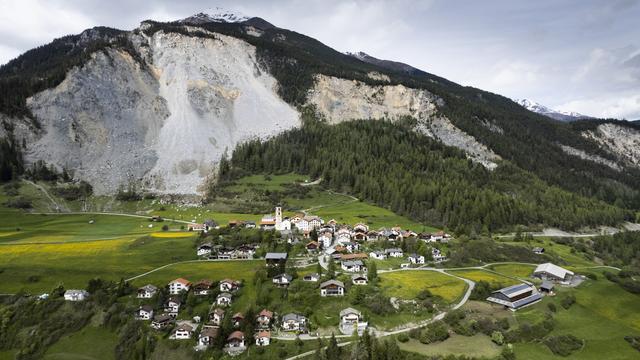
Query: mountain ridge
{"type": "Point", "coordinates": [463, 117]}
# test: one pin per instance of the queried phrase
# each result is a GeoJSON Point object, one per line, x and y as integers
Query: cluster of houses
{"type": "Point", "coordinates": [210, 251]}
{"type": "Point", "coordinates": [521, 295]}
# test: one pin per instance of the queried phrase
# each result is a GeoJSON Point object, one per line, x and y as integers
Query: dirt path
{"type": "Point", "coordinates": [108, 213]}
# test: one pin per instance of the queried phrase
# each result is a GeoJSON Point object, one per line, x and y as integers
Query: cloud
{"type": "Point", "coordinates": [622, 106]}
{"type": "Point", "coordinates": [555, 52]}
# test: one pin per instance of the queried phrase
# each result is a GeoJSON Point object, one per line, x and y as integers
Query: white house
{"type": "Point", "coordinates": [183, 332]}
{"type": "Point", "coordinates": [351, 320]}
{"type": "Point", "coordinates": [264, 319]}
{"type": "Point", "coordinates": [227, 285]}
{"type": "Point", "coordinates": [161, 321]}
{"type": "Point", "coordinates": [352, 246]}
{"type": "Point", "coordinates": [353, 266]}
{"type": "Point", "coordinates": [76, 295]}
{"type": "Point", "coordinates": [315, 277]}
{"type": "Point", "coordinates": [236, 340]}
{"type": "Point", "coordinates": [394, 252]}
{"type": "Point", "coordinates": [332, 288]}
{"type": "Point", "coordinates": [359, 279]}
{"type": "Point", "coordinates": [293, 322]}
{"type": "Point", "coordinates": [179, 285]}
{"type": "Point", "coordinates": [326, 239]}
{"type": "Point", "coordinates": [147, 292]}
{"type": "Point", "coordinates": [437, 255]}
{"type": "Point", "coordinates": [263, 338]}
{"type": "Point", "coordinates": [282, 280]}
{"type": "Point", "coordinates": [145, 312]}
{"type": "Point", "coordinates": [172, 306]}
{"type": "Point", "coordinates": [378, 255]}
{"type": "Point", "coordinates": [204, 249]}
{"type": "Point", "coordinates": [224, 299]}
{"type": "Point", "coordinates": [207, 335]}
{"type": "Point", "coordinates": [202, 288]}
{"type": "Point", "coordinates": [216, 316]}
{"type": "Point", "coordinates": [416, 259]}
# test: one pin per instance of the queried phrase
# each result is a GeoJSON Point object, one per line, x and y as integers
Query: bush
{"type": "Point", "coordinates": [497, 337]}
{"type": "Point", "coordinates": [563, 345]}
{"type": "Point", "coordinates": [165, 227]}
{"type": "Point", "coordinates": [403, 337]}
{"type": "Point", "coordinates": [592, 276]}
{"type": "Point", "coordinates": [552, 307]}
{"type": "Point", "coordinates": [19, 203]}
{"type": "Point", "coordinates": [567, 301]}
{"type": "Point", "coordinates": [436, 331]}
{"type": "Point", "coordinates": [634, 341]}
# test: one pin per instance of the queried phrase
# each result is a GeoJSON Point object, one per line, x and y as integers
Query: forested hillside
{"type": "Point", "coordinates": [393, 166]}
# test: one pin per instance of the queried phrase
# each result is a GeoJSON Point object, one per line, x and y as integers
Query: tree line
{"type": "Point", "coordinates": [392, 166]}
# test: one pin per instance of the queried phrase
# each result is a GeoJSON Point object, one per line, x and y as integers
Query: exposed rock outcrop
{"type": "Point", "coordinates": [622, 141]}
{"type": "Point", "coordinates": [341, 100]}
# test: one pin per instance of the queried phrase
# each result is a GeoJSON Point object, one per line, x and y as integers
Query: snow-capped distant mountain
{"type": "Point", "coordinates": [554, 114]}
{"type": "Point", "coordinates": [218, 15]}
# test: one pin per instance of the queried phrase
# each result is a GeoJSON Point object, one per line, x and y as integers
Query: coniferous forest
{"type": "Point", "coordinates": [391, 165]}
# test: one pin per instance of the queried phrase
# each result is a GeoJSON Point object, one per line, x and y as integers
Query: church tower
{"type": "Point", "coordinates": [278, 218]}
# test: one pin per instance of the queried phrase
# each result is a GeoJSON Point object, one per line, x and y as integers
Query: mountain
{"type": "Point", "coordinates": [554, 114]}
{"type": "Point", "coordinates": [387, 64]}
{"type": "Point", "coordinates": [159, 106]}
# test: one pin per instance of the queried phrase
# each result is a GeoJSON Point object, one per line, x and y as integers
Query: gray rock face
{"type": "Point", "coordinates": [163, 125]}
{"type": "Point", "coordinates": [101, 121]}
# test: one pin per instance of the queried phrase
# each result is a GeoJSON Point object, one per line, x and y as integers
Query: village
{"type": "Point", "coordinates": [326, 244]}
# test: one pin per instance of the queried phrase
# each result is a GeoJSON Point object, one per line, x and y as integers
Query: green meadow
{"type": "Point", "coordinates": [406, 284]}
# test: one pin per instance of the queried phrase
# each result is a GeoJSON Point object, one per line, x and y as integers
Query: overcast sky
{"type": "Point", "coordinates": [574, 55]}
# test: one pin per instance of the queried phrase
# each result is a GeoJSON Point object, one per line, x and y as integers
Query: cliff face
{"type": "Point", "coordinates": [164, 124]}
{"type": "Point", "coordinates": [342, 100]}
{"type": "Point", "coordinates": [622, 141]}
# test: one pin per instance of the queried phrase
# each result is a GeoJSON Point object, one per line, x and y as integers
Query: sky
{"type": "Point", "coordinates": [572, 55]}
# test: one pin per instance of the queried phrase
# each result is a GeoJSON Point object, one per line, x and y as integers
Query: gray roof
{"type": "Point", "coordinates": [359, 276]}
{"type": "Point", "coordinates": [293, 317]}
{"type": "Point", "coordinates": [514, 289]}
{"type": "Point", "coordinates": [546, 284]}
{"type": "Point", "coordinates": [286, 276]}
{"type": "Point", "coordinates": [353, 263]}
{"type": "Point", "coordinates": [276, 256]}
{"type": "Point", "coordinates": [332, 282]}
{"type": "Point", "coordinates": [392, 250]}
{"type": "Point", "coordinates": [348, 311]}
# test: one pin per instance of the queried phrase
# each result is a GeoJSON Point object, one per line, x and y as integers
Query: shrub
{"type": "Point", "coordinates": [592, 276]}
{"type": "Point", "coordinates": [563, 345]}
{"type": "Point", "coordinates": [552, 307]}
{"type": "Point", "coordinates": [497, 337]}
{"type": "Point", "coordinates": [19, 203]}
{"type": "Point", "coordinates": [567, 301]}
{"type": "Point", "coordinates": [403, 337]}
{"type": "Point", "coordinates": [165, 227]}
{"type": "Point", "coordinates": [634, 341]}
{"type": "Point", "coordinates": [436, 331]}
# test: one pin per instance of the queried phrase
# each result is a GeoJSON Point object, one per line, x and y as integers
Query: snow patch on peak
{"type": "Point", "coordinates": [217, 14]}
{"type": "Point", "coordinates": [552, 113]}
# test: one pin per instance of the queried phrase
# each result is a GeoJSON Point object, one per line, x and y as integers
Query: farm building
{"type": "Point", "coordinates": [516, 296]}
{"type": "Point", "coordinates": [549, 271]}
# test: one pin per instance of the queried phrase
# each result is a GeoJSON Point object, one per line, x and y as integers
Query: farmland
{"type": "Point", "coordinates": [407, 284]}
